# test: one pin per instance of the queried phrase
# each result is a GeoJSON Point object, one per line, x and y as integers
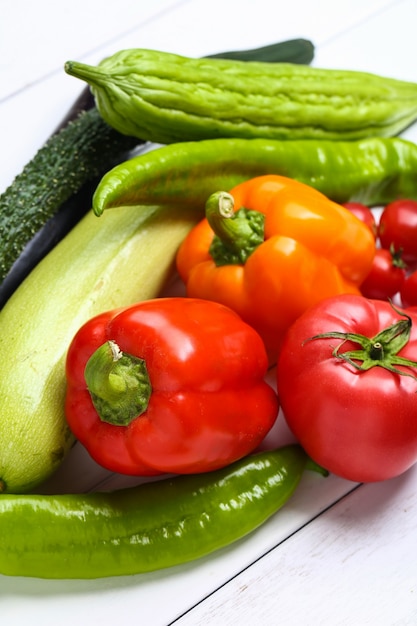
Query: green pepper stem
{"type": "Point", "coordinates": [220, 213]}
{"type": "Point", "coordinates": [312, 466]}
{"type": "Point", "coordinates": [237, 234]}
{"type": "Point", "coordinates": [118, 384]}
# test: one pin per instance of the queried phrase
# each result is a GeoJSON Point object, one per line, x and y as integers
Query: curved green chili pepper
{"type": "Point", "coordinates": [148, 527]}
{"type": "Point", "coordinates": [373, 171]}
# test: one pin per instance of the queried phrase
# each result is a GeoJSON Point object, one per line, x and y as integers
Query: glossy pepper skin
{"type": "Point", "coordinates": [308, 249]}
{"type": "Point", "coordinates": [372, 171]}
{"type": "Point", "coordinates": [195, 401]}
{"type": "Point", "coordinates": [149, 527]}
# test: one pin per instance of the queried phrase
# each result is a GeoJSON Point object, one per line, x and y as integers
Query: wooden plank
{"type": "Point", "coordinates": [353, 565]}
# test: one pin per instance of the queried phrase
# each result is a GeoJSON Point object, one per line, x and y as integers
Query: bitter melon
{"type": "Point", "coordinates": [167, 98]}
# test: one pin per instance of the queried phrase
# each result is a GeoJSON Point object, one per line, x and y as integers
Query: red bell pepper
{"type": "Point", "coordinates": [168, 385]}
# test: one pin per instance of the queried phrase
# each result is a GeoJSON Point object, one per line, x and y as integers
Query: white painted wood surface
{"type": "Point", "coordinates": [338, 553]}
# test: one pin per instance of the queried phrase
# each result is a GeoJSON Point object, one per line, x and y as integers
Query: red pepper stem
{"type": "Point", "coordinates": [118, 384]}
{"type": "Point", "coordinates": [237, 234]}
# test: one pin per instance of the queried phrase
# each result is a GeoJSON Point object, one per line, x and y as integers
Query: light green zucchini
{"type": "Point", "coordinates": [124, 257]}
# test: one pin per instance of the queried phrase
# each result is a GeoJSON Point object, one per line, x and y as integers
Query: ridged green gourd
{"type": "Point", "coordinates": [166, 98]}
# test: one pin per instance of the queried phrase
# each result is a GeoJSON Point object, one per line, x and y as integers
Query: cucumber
{"type": "Point", "coordinates": [50, 233]}
{"type": "Point", "coordinates": [290, 51]}
{"type": "Point", "coordinates": [80, 152]}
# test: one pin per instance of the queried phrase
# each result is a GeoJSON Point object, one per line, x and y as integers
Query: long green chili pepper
{"type": "Point", "coordinates": [373, 171]}
{"type": "Point", "coordinates": [148, 527]}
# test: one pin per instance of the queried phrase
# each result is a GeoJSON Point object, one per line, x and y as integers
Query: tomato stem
{"type": "Point", "coordinates": [118, 384]}
{"type": "Point", "coordinates": [397, 257]}
{"type": "Point", "coordinates": [381, 350]}
{"type": "Point", "coordinates": [376, 351]}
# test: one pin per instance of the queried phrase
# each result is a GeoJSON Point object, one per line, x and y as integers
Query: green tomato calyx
{"type": "Point", "coordinates": [118, 384]}
{"type": "Point", "coordinates": [397, 257]}
{"type": "Point", "coordinates": [381, 350]}
{"type": "Point", "coordinates": [236, 234]}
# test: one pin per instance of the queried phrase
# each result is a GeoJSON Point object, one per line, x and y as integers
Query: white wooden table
{"type": "Point", "coordinates": [338, 553]}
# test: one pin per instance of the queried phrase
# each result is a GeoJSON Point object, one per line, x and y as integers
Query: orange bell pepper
{"type": "Point", "coordinates": [272, 248]}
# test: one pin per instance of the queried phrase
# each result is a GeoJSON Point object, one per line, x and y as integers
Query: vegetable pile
{"type": "Point", "coordinates": [264, 206]}
{"type": "Point", "coordinates": [54, 189]}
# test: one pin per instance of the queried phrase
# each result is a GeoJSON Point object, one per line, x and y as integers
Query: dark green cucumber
{"type": "Point", "coordinates": [83, 150]}
{"type": "Point", "coordinates": [291, 51]}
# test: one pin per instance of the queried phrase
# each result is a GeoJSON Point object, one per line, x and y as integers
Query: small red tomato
{"type": "Point", "coordinates": [398, 228]}
{"type": "Point", "coordinates": [408, 291]}
{"type": "Point", "coordinates": [386, 276]}
{"type": "Point", "coordinates": [363, 213]}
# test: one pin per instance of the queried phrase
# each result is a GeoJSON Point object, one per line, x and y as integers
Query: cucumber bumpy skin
{"type": "Point", "coordinates": [99, 265]}
{"type": "Point", "coordinates": [82, 151]}
{"type": "Point", "coordinates": [167, 98]}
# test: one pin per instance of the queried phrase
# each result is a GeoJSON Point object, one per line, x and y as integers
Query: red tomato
{"type": "Point", "coordinates": [386, 276]}
{"type": "Point", "coordinates": [360, 424]}
{"type": "Point", "coordinates": [363, 213]}
{"type": "Point", "coordinates": [408, 291]}
{"type": "Point", "coordinates": [398, 228]}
